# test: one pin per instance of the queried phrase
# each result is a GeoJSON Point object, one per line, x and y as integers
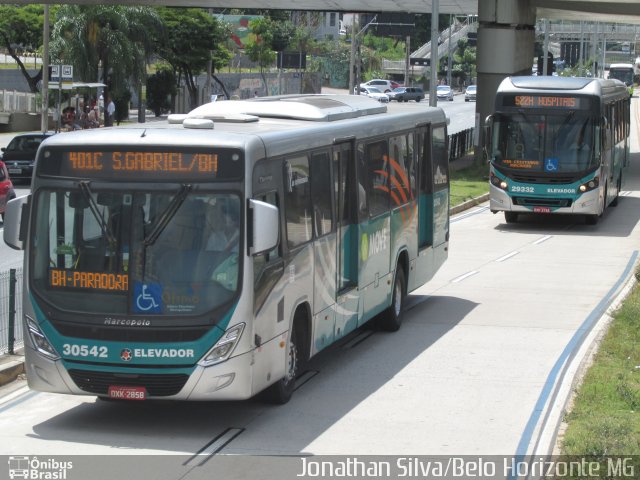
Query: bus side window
{"type": "Point", "coordinates": [376, 158]}
{"type": "Point", "coordinates": [363, 211]}
{"type": "Point", "coordinates": [440, 159]}
{"type": "Point", "coordinates": [321, 193]}
{"type": "Point", "coordinates": [297, 201]}
{"type": "Point", "coordinates": [401, 174]}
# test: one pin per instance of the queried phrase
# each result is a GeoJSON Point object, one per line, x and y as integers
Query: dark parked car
{"type": "Point", "coordinates": [6, 188]}
{"type": "Point", "coordinates": [20, 154]}
{"type": "Point", "coordinates": [404, 94]}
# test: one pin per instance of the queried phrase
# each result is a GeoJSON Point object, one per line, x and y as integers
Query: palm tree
{"type": "Point", "coordinates": [106, 43]}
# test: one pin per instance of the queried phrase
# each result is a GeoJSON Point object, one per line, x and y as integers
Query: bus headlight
{"type": "Point", "coordinates": [40, 341]}
{"type": "Point", "coordinates": [590, 185]}
{"type": "Point", "coordinates": [223, 347]}
{"type": "Point", "coordinates": [498, 182]}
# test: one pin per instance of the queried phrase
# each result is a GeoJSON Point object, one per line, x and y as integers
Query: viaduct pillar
{"type": "Point", "coordinates": [506, 37]}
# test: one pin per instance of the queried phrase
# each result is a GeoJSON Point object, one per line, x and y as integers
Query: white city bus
{"type": "Point", "coordinates": [208, 257]}
{"type": "Point", "coordinates": [559, 145]}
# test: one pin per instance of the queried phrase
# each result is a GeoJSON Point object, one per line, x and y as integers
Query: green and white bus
{"type": "Point", "coordinates": [208, 257]}
{"type": "Point", "coordinates": [558, 145]}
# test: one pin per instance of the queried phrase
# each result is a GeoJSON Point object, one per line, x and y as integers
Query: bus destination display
{"type": "Point", "coordinates": [145, 165]}
{"type": "Point", "coordinates": [72, 279]}
{"type": "Point", "coordinates": [546, 101]}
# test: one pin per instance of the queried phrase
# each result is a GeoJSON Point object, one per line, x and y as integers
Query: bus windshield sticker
{"type": "Point", "coordinates": [148, 297]}
{"type": "Point", "coordinates": [523, 164]}
{"type": "Point", "coordinates": [74, 279]}
{"type": "Point", "coordinates": [551, 164]}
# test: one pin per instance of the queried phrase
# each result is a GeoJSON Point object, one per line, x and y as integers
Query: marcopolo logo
{"type": "Point", "coordinates": [37, 468]}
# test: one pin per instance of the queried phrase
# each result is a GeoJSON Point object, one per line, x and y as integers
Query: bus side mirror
{"type": "Point", "coordinates": [16, 220]}
{"type": "Point", "coordinates": [486, 132]}
{"type": "Point", "coordinates": [265, 227]}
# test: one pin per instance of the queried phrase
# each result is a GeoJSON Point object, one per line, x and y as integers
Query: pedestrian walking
{"type": "Point", "coordinates": [110, 113]}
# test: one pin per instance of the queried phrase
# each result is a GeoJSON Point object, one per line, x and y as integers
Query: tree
{"type": "Point", "coordinates": [21, 28]}
{"type": "Point", "coordinates": [160, 87]}
{"type": "Point", "coordinates": [108, 43]}
{"type": "Point", "coordinates": [191, 38]}
{"type": "Point", "coordinates": [260, 50]}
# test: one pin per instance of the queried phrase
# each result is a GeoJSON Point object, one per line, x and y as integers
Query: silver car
{"type": "Point", "coordinates": [374, 93]}
{"type": "Point", "coordinates": [444, 92]}
{"type": "Point", "coordinates": [470, 93]}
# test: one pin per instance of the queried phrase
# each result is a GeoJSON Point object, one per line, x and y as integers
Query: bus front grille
{"type": "Point", "coordinates": [157, 385]}
{"type": "Point", "coordinates": [542, 202]}
{"type": "Point", "coordinates": [120, 334]}
{"type": "Point", "coordinates": [555, 179]}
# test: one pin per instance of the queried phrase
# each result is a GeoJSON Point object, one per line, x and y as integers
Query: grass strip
{"type": "Point", "coordinates": [469, 182]}
{"type": "Point", "coordinates": [604, 418]}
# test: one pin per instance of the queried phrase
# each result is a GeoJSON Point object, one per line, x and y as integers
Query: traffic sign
{"type": "Point", "coordinates": [67, 74]}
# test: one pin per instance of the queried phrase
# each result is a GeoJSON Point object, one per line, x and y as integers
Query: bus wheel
{"type": "Point", "coordinates": [280, 392]}
{"type": "Point", "coordinates": [392, 317]}
{"type": "Point", "coordinates": [510, 217]}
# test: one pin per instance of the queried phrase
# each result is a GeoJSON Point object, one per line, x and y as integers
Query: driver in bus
{"type": "Point", "coordinates": [221, 228]}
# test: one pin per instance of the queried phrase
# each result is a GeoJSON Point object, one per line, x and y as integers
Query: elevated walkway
{"type": "Point", "coordinates": [458, 30]}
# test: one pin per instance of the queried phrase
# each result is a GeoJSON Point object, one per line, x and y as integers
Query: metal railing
{"type": "Point", "coordinates": [11, 335]}
{"type": "Point", "coordinates": [22, 102]}
{"type": "Point", "coordinates": [460, 143]}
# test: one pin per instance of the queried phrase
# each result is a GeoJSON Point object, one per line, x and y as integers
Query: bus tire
{"type": "Point", "coordinates": [392, 317]}
{"type": "Point", "coordinates": [280, 392]}
{"type": "Point", "coordinates": [510, 217]}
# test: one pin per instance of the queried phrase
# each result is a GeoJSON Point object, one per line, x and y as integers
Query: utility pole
{"type": "Point", "coordinates": [44, 119]}
{"type": "Point", "coordinates": [352, 61]}
{"type": "Point", "coordinates": [407, 78]}
{"type": "Point", "coordinates": [449, 56]}
{"type": "Point", "coordinates": [435, 13]}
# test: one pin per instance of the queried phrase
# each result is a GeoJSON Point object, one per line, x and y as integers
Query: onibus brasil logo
{"type": "Point", "coordinates": [38, 469]}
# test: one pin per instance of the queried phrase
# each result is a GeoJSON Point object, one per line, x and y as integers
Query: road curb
{"type": "Point", "coordinates": [12, 366]}
{"type": "Point", "coordinates": [468, 204]}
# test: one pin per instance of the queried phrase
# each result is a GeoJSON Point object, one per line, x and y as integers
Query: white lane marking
{"type": "Point", "coordinates": [508, 256]}
{"type": "Point", "coordinates": [543, 239]}
{"type": "Point", "coordinates": [462, 277]}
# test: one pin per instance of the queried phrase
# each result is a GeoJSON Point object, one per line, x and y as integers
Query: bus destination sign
{"type": "Point", "coordinates": [221, 164]}
{"type": "Point", "coordinates": [546, 101]}
{"type": "Point", "coordinates": [72, 279]}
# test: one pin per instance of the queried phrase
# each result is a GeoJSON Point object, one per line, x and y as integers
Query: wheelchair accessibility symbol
{"type": "Point", "coordinates": [551, 165]}
{"type": "Point", "coordinates": [148, 298]}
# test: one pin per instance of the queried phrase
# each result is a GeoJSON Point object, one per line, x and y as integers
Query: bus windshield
{"type": "Point", "coordinates": [533, 143]}
{"type": "Point", "coordinates": [151, 253]}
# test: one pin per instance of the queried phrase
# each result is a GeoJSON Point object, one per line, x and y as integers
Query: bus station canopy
{"type": "Point", "coordinates": [75, 85]}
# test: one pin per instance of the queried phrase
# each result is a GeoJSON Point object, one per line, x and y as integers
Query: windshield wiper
{"type": "Point", "coordinates": [93, 206]}
{"type": "Point", "coordinates": [168, 214]}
